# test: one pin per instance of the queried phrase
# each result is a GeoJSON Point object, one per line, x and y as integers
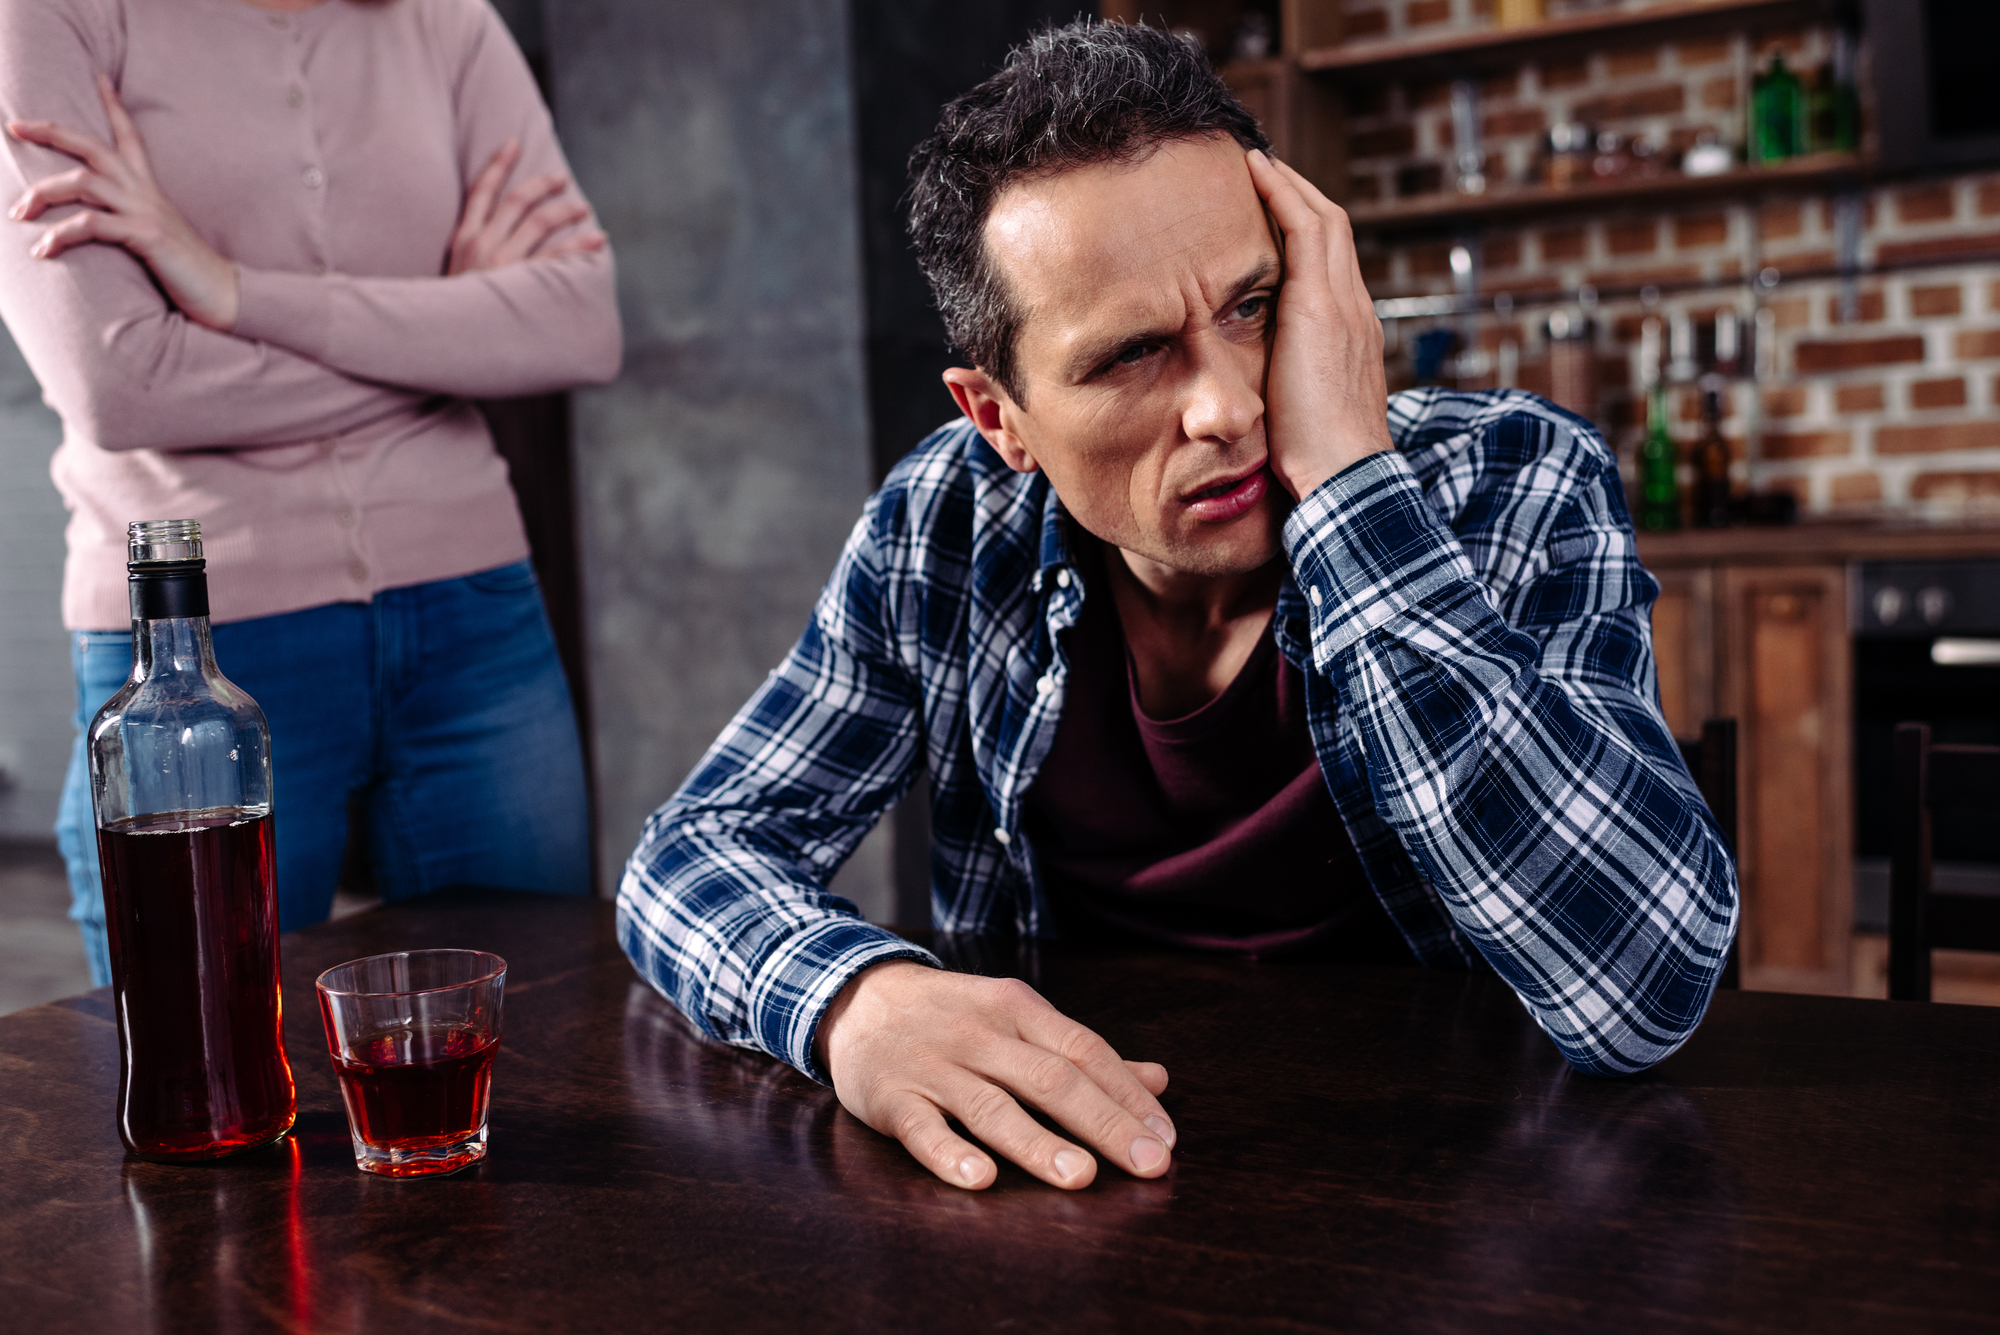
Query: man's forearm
{"type": "Point", "coordinates": [1561, 835]}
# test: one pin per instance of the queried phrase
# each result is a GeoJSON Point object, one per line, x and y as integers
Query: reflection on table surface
{"type": "Point", "coordinates": [1359, 1148]}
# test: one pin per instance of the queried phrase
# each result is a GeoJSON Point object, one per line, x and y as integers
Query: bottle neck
{"type": "Point", "coordinates": [1656, 410]}
{"type": "Point", "coordinates": [172, 646]}
{"type": "Point", "coordinates": [170, 618]}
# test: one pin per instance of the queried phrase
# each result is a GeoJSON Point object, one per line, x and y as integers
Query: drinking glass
{"type": "Point", "coordinates": [413, 1037]}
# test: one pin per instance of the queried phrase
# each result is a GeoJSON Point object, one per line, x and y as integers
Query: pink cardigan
{"type": "Point", "coordinates": [326, 446]}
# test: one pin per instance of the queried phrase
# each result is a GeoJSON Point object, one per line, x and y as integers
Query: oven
{"type": "Point", "coordinates": [1926, 650]}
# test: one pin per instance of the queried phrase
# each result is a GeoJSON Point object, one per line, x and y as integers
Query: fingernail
{"type": "Point", "coordinates": [1070, 1163]}
{"type": "Point", "coordinates": [1162, 1128]}
{"type": "Point", "coordinates": [970, 1169]}
{"type": "Point", "coordinates": [1146, 1152]}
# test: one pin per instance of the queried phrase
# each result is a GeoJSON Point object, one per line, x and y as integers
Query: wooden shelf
{"type": "Point", "coordinates": [1489, 48]}
{"type": "Point", "coordinates": [1820, 541]}
{"type": "Point", "coordinates": [1425, 211]}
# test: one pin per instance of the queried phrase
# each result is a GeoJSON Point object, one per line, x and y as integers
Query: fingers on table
{"type": "Point", "coordinates": [920, 1125]}
{"type": "Point", "coordinates": [991, 1113]}
{"type": "Point", "coordinates": [1097, 1064]}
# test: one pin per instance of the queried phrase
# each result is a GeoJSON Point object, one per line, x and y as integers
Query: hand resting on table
{"type": "Point", "coordinates": [908, 1045]}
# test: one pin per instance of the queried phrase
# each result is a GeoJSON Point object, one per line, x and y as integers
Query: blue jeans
{"type": "Point", "coordinates": [441, 707]}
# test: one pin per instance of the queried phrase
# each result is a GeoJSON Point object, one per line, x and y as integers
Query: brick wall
{"type": "Point", "coordinates": [1896, 409]}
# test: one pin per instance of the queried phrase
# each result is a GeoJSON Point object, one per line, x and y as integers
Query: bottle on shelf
{"type": "Point", "coordinates": [1833, 113]}
{"type": "Point", "coordinates": [1659, 467]}
{"type": "Point", "coordinates": [180, 776]}
{"type": "Point", "coordinates": [1711, 460]}
{"type": "Point", "coordinates": [1777, 115]}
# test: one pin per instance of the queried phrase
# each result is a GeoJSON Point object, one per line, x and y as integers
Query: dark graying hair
{"type": "Point", "coordinates": [1076, 96]}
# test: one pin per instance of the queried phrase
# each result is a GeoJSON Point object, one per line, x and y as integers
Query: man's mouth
{"type": "Point", "coordinates": [1228, 498]}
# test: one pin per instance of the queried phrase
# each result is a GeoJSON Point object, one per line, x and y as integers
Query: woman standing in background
{"type": "Point", "coordinates": [263, 254]}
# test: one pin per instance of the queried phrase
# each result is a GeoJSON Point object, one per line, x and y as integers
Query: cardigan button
{"type": "Point", "coordinates": [1002, 838]}
{"type": "Point", "coordinates": [1315, 595]}
{"type": "Point", "coordinates": [1062, 579]}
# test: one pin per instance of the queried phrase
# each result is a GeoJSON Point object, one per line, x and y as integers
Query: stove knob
{"type": "Point", "coordinates": [1888, 604]}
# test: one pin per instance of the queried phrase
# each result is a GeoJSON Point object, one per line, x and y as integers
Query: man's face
{"type": "Point", "coordinates": [1147, 293]}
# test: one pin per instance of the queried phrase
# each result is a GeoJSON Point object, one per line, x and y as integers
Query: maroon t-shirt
{"type": "Point", "coordinates": [1214, 830]}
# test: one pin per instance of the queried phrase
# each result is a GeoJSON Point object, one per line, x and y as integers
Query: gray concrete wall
{"type": "Point", "coordinates": [719, 476]}
{"type": "Point", "coordinates": [37, 692]}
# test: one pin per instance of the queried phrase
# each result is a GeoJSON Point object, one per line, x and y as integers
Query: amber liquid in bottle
{"type": "Point", "coordinates": [181, 782]}
{"type": "Point", "coordinates": [194, 951]}
{"type": "Point", "coordinates": [1711, 464]}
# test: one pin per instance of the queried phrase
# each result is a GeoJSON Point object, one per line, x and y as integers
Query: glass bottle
{"type": "Point", "coordinates": [1711, 464]}
{"type": "Point", "coordinates": [1659, 461]}
{"type": "Point", "coordinates": [180, 775]}
{"type": "Point", "coordinates": [1834, 104]}
{"type": "Point", "coordinates": [1777, 114]}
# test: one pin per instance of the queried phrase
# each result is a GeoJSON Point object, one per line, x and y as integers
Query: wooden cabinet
{"type": "Point", "coordinates": [1783, 672]}
{"type": "Point", "coordinates": [1752, 624]}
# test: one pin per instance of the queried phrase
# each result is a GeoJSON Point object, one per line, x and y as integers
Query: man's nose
{"type": "Point", "coordinates": [1224, 399]}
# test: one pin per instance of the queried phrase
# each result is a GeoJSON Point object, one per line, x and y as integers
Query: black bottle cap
{"type": "Point", "coordinates": [166, 572]}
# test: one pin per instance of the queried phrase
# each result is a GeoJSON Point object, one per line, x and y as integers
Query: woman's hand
{"type": "Point", "coordinates": [538, 219]}
{"type": "Point", "coordinates": [126, 208]}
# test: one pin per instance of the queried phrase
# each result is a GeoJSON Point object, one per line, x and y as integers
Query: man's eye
{"type": "Point", "coordinates": [1253, 309]}
{"type": "Point", "coordinates": [1132, 355]}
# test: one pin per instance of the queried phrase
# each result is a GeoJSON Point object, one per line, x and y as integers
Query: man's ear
{"type": "Point", "coordinates": [993, 411]}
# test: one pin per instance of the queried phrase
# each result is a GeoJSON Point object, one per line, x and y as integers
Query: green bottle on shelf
{"type": "Point", "coordinates": [1777, 114]}
{"type": "Point", "coordinates": [1659, 468]}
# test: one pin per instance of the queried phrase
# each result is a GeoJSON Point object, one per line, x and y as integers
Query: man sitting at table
{"type": "Point", "coordinates": [1205, 641]}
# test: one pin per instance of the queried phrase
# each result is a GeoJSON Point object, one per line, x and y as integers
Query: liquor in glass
{"type": "Point", "coordinates": [180, 776]}
{"type": "Point", "coordinates": [413, 1036]}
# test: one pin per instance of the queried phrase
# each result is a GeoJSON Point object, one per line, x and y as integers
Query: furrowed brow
{"type": "Point", "coordinates": [1094, 354]}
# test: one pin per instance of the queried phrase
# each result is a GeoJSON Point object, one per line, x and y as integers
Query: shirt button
{"type": "Point", "coordinates": [314, 178]}
{"type": "Point", "coordinates": [1002, 838]}
{"type": "Point", "coordinates": [279, 21]}
{"type": "Point", "coordinates": [318, 268]}
{"type": "Point", "coordinates": [295, 96]}
{"type": "Point", "coordinates": [344, 517]}
{"type": "Point", "coordinates": [359, 570]}
{"type": "Point", "coordinates": [1315, 595]}
{"type": "Point", "coordinates": [1062, 579]}
{"type": "Point", "coordinates": [1045, 686]}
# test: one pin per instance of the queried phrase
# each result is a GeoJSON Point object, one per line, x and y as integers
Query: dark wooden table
{"type": "Point", "coordinates": [1360, 1149]}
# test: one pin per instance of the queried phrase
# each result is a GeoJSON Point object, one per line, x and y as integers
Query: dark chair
{"type": "Point", "coordinates": [1711, 758]}
{"type": "Point", "coordinates": [1930, 778]}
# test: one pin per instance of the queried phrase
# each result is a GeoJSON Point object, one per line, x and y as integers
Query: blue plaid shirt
{"type": "Point", "coordinates": [1472, 622]}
